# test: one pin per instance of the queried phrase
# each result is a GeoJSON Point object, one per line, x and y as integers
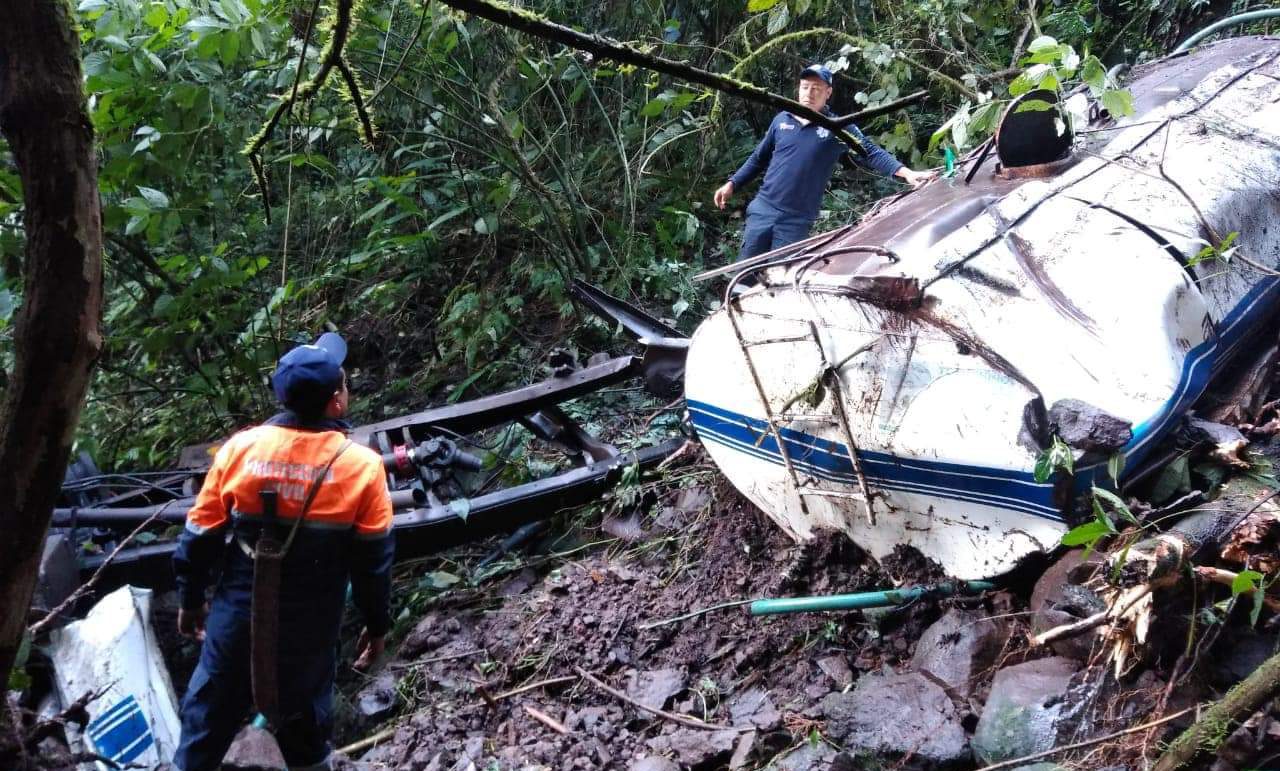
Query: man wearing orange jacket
{"type": "Point", "coordinates": [344, 536]}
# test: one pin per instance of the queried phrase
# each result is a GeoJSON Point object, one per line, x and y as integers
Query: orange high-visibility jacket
{"type": "Point", "coordinates": [345, 536]}
{"type": "Point", "coordinates": [352, 496]}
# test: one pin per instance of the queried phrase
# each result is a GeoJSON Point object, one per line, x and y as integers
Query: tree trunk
{"type": "Point", "coordinates": [56, 332]}
{"type": "Point", "coordinates": [1205, 736]}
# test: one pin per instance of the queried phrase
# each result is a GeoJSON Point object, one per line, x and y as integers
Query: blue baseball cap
{"type": "Point", "coordinates": [817, 71]}
{"type": "Point", "coordinates": [307, 376]}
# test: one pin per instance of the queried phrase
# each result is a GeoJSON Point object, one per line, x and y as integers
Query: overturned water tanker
{"type": "Point", "coordinates": [898, 379]}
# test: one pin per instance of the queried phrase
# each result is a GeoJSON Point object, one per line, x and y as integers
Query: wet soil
{"type": "Point", "coordinates": [603, 608]}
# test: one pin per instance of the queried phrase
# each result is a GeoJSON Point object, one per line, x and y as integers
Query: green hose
{"type": "Point", "coordinates": [865, 599]}
{"type": "Point", "coordinates": [1230, 21]}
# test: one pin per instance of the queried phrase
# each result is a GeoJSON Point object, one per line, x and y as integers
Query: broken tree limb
{"type": "Point", "coordinates": [1122, 606]}
{"type": "Point", "coordinates": [368, 741]}
{"type": "Point", "coordinates": [87, 586]}
{"type": "Point", "coordinates": [1227, 578]}
{"type": "Point", "coordinates": [688, 722]}
{"type": "Point", "coordinates": [1217, 722]}
{"type": "Point", "coordinates": [546, 720]}
{"type": "Point", "coordinates": [534, 686]}
{"type": "Point", "coordinates": [530, 23]}
{"type": "Point", "coordinates": [693, 614]}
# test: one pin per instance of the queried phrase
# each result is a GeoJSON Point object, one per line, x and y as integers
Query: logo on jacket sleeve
{"type": "Point", "coordinates": [823, 132]}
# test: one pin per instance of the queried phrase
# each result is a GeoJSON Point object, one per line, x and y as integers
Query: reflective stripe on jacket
{"type": "Point", "coordinates": [346, 534]}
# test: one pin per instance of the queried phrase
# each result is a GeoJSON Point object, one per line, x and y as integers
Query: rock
{"type": "Point", "coordinates": [254, 748]}
{"type": "Point", "coordinates": [1057, 599]}
{"type": "Point", "coordinates": [958, 648]}
{"type": "Point", "coordinates": [1235, 661]}
{"type": "Point", "coordinates": [587, 718]}
{"type": "Point", "coordinates": [654, 687]}
{"type": "Point", "coordinates": [424, 636]}
{"type": "Point", "coordinates": [624, 526]}
{"type": "Point", "coordinates": [694, 746]}
{"type": "Point", "coordinates": [1022, 713]}
{"type": "Point", "coordinates": [378, 699]}
{"type": "Point", "coordinates": [753, 707]}
{"type": "Point", "coordinates": [654, 764]}
{"type": "Point", "coordinates": [1197, 430]}
{"type": "Point", "coordinates": [897, 715]}
{"type": "Point", "coordinates": [836, 668]}
{"type": "Point", "coordinates": [806, 758]}
{"type": "Point", "coordinates": [1086, 427]}
{"type": "Point", "coordinates": [519, 583]}
{"type": "Point", "coordinates": [742, 752]}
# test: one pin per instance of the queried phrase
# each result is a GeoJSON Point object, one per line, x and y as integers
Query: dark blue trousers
{"type": "Point", "coordinates": [219, 697]}
{"type": "Point", "coordinates": [768, 228]}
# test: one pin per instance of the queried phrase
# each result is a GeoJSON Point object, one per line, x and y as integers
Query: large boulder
{"type": "Point", "coordinates": [1023, 712]}
{"type": "Point", "coordinates": [958, 648]}
{"type": "Point", "coordinates": [896, 716]}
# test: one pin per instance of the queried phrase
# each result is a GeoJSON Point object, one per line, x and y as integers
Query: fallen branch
{"type": "Point", "coordinates": [688, 722]}
{"type": "Point", "coordinates": [535, 686]}
{"type": "Point", "coordinates": [531, 23]}
{"type": "Point", "coordinates": [1092, 622]}
{"type": "Point", "coordinates": [1087, 743]}
{"type": "Point", "coordinates": [368, 741]}
{"type": "Point", "coordinates": [87, 586]}
{"type": "Point", "coordinates": [1203, 737]}
{"type": "Point", "coordinates": [433, 660]}
{"type": "Point", "coordinates": [546, 720]}
{"type": "Point", "coordinates": [693, 614]}
{"type": "Point", "coordinates": [1227, 578]}
{"type": "Point", "coordinates": [76, 712]}
{"type": "Point", "coordinates": [883, 109]}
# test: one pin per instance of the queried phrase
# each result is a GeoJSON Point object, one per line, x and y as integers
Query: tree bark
{"type": "Point", "coordinates": [522, 20]}
{"type": "Point", "coordinates": [1216, 723]}
{"type": "Point", "coordinates": [57, 335]}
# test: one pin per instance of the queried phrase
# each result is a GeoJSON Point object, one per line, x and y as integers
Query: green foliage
{"type": "Point", "coordinates": [1048, 65]}
{"type": "Point", "coordinates": [1220, 251]}
{"type": "Point", "coordinates": [1255, 585]}
{"type": "Point", "coordinates": [1058, 456]}
{"type": "Point", "coordinates": [1107, 507]}
{"type": "Point", "coordinates": [505, 168]}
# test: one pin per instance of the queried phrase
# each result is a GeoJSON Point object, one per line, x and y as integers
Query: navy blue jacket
{"type": "Point", "coordinates": [799, 159]}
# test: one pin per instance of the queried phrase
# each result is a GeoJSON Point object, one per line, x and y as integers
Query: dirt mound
{"type": "Point", "coordinates": [624, 613]}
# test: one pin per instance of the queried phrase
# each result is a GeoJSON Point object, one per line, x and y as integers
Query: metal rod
{"type": "Point", "coordinates": [861, 600]}
{"type": "Point", "coordinates": [832, 375]}
{"type": "Point", "coordinates": [731, 308]}
{"type": "Point", "coordinates": [175, 511]}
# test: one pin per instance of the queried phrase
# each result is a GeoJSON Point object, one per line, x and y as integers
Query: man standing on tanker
{"type": "Point", "coordinates": [798, 158]}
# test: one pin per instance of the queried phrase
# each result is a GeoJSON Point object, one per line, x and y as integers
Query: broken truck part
{"type": "Point", "coordinates": [895, 379]}
{"type": "Point", "coordinates": [424, 454]}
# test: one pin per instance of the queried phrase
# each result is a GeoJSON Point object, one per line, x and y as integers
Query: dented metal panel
{"type": "Point", "coordinates": [956, 312]}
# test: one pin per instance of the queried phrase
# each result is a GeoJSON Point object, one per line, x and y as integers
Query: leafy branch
{"type": "Point", "coordinates": [1049, 66]}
